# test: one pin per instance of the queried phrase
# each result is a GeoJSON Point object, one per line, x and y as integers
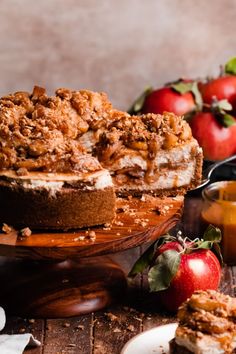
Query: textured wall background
{"type": "Point", "coordinates": [116, 46]}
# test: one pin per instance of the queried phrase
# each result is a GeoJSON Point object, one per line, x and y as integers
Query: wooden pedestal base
{"type": "Point", "coordinates": [45, 283]}
{"type": "Point", "coordinates": [69, 288]}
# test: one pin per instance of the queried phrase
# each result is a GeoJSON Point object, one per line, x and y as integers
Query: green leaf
{"type": "Point", "coordinates": [147, 258]}
{"type": "Point", "coordinates": [216, 249]}
{"type": "Point", "coordinates": [161, 274]}
{"type": "Point", "coordinates": [230, 66]}
{"type": "Point", "coordinates": [184, 87]}
{"type": "Point", "coordinates": [205, 245]}
{"type": "Point", "coordinates": [143, 262]}
{"type": "Point", "coordinates": [228, 120]}
{"type": "Point", "coordinates": [139, 102]}
{"type": "Point", "coordinates": [197, 95]}
{"type": "Point", "coordinates": [212, 234]}
{"type": "Point", "coordinates": [223, 105]}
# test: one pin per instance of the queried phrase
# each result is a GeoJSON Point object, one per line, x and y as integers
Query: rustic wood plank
{"type": "Point", "coordinates": [68, 336]}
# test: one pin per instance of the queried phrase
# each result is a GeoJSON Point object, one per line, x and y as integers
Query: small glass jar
{"type": "Point", "coordinates": [219, 209]}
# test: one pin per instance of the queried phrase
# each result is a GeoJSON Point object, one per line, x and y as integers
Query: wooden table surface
{"type": "Point", "coordinates": [107, 331]}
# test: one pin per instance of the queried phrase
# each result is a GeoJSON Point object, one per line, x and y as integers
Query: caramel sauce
{"type": "Point", "coordinates": [221, 212]}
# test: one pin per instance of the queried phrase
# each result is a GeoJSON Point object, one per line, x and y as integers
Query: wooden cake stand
{"type": "Point", "coordinates": [62, 274]}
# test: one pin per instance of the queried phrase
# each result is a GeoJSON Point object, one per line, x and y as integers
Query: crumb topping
{"type": "Point", "coordinates": [42, 133]}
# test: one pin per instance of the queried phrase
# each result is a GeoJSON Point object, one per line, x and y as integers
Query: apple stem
{"type": "Point", "coordinates": [181, 240]}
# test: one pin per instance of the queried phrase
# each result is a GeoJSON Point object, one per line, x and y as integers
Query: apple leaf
{"type": "Point", "coordinates": [230, 66]}
{"type": "Point", "coordinates": [220, 108]}
{"type": "Point", "coordinates": [222, 105]}
{"type": "Point", "coordinates": [212, 234]}
{"type": "Point", "coordinates": [182, 87]}
{"type": "Point", "coordinates": [197, 95]}
{"type": "Point", "coordinates": [165, 269]}
{"type": "Point", "coordinates": [228, 120]}
{"type": "Point", "coordinates": [147, 258]}
{"type": "Point", "coordinates": [143, 262]}
{"type": "Point", "coordinates": [139, 102]}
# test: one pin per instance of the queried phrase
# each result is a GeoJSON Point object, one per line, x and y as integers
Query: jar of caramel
{"type": "Point", "coordinates": [219, 209]}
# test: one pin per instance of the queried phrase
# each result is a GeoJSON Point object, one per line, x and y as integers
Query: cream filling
{"type": "Point", "coordinates": [205, 345]}
{"type": "Point", "coordinates": [164, 180]}
{"type": "Point", "coordinates": [175, 155]}
{"type": "Point", "coordinates": [55, 181]}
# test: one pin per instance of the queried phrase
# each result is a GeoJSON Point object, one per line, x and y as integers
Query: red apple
{"type": "Point", "coordinates": [169, 100]}
{"type": "Point", "coordinates": [198, 270]}
{"type": "Point", "coordinates": [217, 141]}
{"type": "Point", "coordinates": [178, 267]}
{"type": "Point", "coordinates": [223, 87]}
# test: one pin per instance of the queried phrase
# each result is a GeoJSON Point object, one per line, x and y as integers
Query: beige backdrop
{"type": "Point", "coordinates": [116, 46]}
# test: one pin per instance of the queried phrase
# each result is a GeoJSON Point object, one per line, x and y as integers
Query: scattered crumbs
{"type": "Point", "coordinates": [80, 238]}
{"type": "Point", "coordinates": [129, 230]}
{"type": "Point", "coordinates": [143, 198]}
{"type": "Point", "coordinates": [111, 316]}
{"type": "Point", "coordinates": [48, 327]}
{"type": "Point", "coordinates": [138, 319]}
{"type": "Point", "coordinates": [66, 324]}
{"type": "Point", "coordinates": [97, 346]}
{"type": "Point", "coordinates": [92, 235]}
{"type": "Point", "coordinates": [117, 330]}
{"type": "Point", "coordinates": [132, 213]}
{"type": "Point", "coordinates": [162, 349]}
{"type": "Point", "coordinates": [65, 280]}
{"type": "Point", "coordinates": [158, 211]}
{"type": "Point", "coordinates": [31, 320]}
{"type": "Point", "coordinates": [106, 228]}
{"type": "Point", "coordinates": [7, 229]}
{"type": "Point", "coordinates": [141, 222]}
{"type": "Point", "coordinates": [22, 330]}
{"type": "Point", "coordinates": [80, 327]}
{"type": "Point", "coordinates": [118, 233]}
{"type": "Point", "coordinates": [124, 209]}
{"type": "Point", "coordinates": [119, 223]}
{"type": "Point", "coordinates": [22, 171]}
{"type": "Point", "coordinates": [131, 328]}
{"type": "Point", "coordinates": [163, 209]}
{"type": "Point", "coordinates": [24, 233]}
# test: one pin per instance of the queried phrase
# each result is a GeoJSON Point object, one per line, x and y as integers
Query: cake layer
{"type": "Point", "coordinates": [49, 208]}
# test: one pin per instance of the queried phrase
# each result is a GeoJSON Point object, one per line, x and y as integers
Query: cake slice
{"type": "Point", "coordinates": [206, 325]}
{"type": "Point", "coordinates": [151, 153]}
{"type": "Point", "coordinates": [63, 158]}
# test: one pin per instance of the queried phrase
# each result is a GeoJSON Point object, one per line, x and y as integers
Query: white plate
{"type": "Point", "coordinates": [153, 341]}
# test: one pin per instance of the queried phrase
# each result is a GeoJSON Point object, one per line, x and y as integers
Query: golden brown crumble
{"type": "Point", "coordinates": [43, 133]}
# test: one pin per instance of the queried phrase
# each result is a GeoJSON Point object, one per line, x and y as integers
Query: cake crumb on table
{"type": "Point", "coordinates": [7, 229]}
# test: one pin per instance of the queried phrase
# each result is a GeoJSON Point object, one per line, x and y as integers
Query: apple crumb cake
{"type": "Point", "coordinates": [206, 325]}
{"type": "Point", "coordinates": [64, 158]}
